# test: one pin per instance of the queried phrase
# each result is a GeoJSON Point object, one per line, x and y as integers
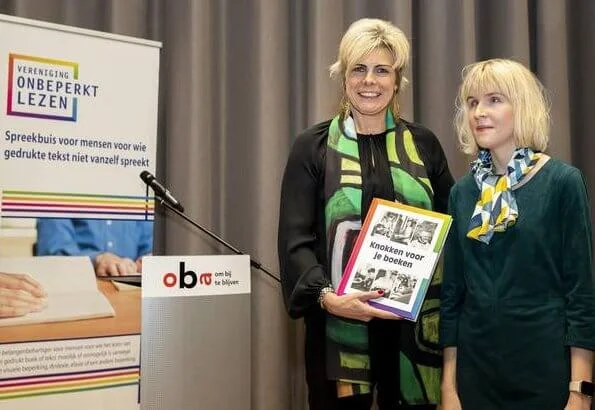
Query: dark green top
{"type": "Point", "coordinates": [513, 307]}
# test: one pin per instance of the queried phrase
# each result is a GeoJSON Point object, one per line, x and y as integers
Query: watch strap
{"type": "Point", "coordinates": [582, 386]}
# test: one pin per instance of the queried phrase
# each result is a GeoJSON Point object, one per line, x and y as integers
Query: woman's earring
{"type": "Point", "coordinates": [346, 108]}
{"type": "Point", "coordinates": [395, 106]}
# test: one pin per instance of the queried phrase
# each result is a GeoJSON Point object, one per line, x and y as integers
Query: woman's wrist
{"type": "Point", "coordinates": [322, 293]}
{"type": "Point", "coordinates": [580, 396]}
{"type": "Point", "coordinates": [448, 385]}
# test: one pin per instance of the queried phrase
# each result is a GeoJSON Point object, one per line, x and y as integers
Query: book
{"type": "Point", "coordinates": [397, 251]}
{"type": "Point", "coordinates": [71, 287]}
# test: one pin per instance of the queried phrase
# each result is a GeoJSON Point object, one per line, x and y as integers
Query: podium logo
{"type": "Point", "coordinates": [46, 88]}
{"type": "Point", "coordinates": [187, 279]}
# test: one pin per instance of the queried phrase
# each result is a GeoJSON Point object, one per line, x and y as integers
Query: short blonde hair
{"type": "Point", "coordinates": [528, 97]}
{"type": "Point", "coordinates": [361, 38]}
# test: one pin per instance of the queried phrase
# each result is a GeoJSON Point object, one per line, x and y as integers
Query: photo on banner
{"type": "Point", "coordinates": [79, 124]}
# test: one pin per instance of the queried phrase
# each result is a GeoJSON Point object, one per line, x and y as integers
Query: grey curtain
{"type": "Point", "coordinates": [239, 79]}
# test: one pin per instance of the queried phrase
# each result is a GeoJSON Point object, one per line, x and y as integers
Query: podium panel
{"type": "Point", "coordinates": [195, 335]}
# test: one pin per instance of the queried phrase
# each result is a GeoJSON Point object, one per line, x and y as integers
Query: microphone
{"type": "Point", "coordinates": [160, 190]}
{"type": "Point", "coordinates": [171, 203]}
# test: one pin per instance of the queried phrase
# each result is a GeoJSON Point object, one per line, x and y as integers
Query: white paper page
{"type": "Point", "coordinates": [55, 273]}
{"type": "Point", "coordinates": [71, 286]}
{"type": "Point", "coordinates": [65, 307]}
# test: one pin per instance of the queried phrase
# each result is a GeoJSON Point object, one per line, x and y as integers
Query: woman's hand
{"type": "Point", "coordinates": [450, 399]}
{"type": "Point", "coordinates": [577, 401]}
{"type": "Point", "coordinates": [20, 294]}
{"type": "Point", "coordinates": [355, 306]}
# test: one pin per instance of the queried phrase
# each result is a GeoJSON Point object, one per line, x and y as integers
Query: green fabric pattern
{"type": "Point", "coordinates": [347, 340]}
{"type": "Point", "coordinates": [411, 387]}
{"type": "Point", "coordinates": [341, 204]}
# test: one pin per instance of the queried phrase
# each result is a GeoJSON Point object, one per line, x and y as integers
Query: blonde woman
{"type": "Point", "coordinates": [334, 170]}
{"type": "Point", "coordinates": [518, 309]}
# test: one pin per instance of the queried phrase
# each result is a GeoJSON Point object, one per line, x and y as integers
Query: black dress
{"type": "Point", "coordinates": [302, 241]}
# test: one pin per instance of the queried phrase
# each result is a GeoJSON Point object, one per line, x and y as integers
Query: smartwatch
{"type": "Point", "coordinates": [582, 387]}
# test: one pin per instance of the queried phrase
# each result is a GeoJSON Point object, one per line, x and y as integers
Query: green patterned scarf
{"type": "Point", "coordinates": [348, 360]}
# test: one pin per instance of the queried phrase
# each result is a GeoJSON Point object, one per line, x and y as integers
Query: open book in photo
{"type": "Point", "coordinates": [70, 284]}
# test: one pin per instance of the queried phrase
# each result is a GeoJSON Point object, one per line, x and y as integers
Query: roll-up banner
{"type": "Point", "coordinates": [78, 123]}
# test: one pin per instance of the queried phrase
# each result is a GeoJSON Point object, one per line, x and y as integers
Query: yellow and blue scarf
{"type": "Point", "coordinates": [496, 208]}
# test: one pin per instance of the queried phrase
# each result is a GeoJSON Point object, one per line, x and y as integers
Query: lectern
{"type": "Point", "coordinates": [195, 337]}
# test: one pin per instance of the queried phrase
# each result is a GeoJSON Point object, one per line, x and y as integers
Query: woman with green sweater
{"type": "Point", "coordinates": [517, 302]}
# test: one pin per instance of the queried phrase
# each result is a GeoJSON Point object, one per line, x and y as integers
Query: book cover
{"type": "Point", "coordinates": [397, 251]}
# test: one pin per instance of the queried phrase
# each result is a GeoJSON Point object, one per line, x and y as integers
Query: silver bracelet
{"type": "Point", "coordinates": [324, 291]}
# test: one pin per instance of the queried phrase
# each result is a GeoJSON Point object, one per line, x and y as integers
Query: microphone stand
{"type": "Point", "coordinates": [253, 262]}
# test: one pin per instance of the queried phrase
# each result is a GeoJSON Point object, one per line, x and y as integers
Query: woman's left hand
{"type": "Point", "coordinates": [577, 401]}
